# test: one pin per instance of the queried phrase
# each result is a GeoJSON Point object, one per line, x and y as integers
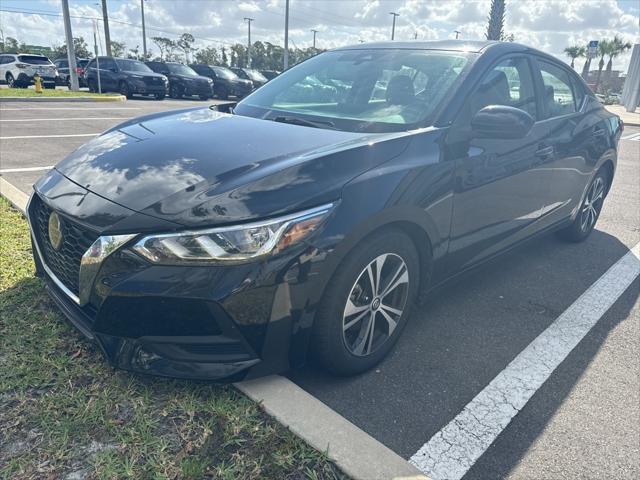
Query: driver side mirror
{"type": "Point", "coordinates": [501, 122]}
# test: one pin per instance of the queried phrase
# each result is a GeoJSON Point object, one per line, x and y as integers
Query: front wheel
{"type": "Point", "coordinates": [11, 82]}
{"type": "Point", "coordinates": [160, 96]}
{"type": "Point", "coordinates": [175, 92]}
{"type": "Point", "coordinates": [367, 304]}
{"type": "Point", "coordinates": [589, 212]}
{"type": "Point", "coordinates": [125, 91]}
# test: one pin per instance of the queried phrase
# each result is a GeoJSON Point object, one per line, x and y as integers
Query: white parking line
{"type": "Point", "coordinates": [25, 169]}
{"type": "Point", "coordinates": [51, 136]}
{"type": "Point", "coordinates": [633, 136]}
{"type": "Point", "coordinates": [61, 119]}
{"type": "Point", "coordinates": [451, 452]}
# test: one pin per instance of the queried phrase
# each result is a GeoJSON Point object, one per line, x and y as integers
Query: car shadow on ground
{"type": "Point", "coordinates": [465, 334]}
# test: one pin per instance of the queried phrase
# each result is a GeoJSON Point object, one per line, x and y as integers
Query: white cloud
{"type": "Point", "coordinates": [550, 25]}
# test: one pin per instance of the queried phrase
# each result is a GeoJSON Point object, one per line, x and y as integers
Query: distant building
{"type": "Point", "coordinates": [614, 83]}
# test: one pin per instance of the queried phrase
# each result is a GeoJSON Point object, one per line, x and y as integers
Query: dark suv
{"type": "Point", "coordinates": [183, 80]}
{"type": "Point", "coordinates": [225, 82]}
{"type": "Point", "coordinates": [62, 64]}
{"type": "Point", "coordinates": [249, 74]}
{"type": "Point", "coordinates": [129, 77]}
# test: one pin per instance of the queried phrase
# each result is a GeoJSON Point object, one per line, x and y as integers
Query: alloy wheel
{"type": "Point", "coordinates": [11, 83]}
{"type": "Point", "coordinates": [592, 204]}
{"type": "Point", "coordinates": [375, 304]}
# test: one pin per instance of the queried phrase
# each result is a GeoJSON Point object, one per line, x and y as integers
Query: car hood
{"type": "Point", "coordinates": [198, 167]}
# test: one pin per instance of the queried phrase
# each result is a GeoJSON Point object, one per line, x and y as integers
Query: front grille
{"type": "Point", "coordinates": [76, 240]}
{"type": "Point", "coordinates": [153, 81]}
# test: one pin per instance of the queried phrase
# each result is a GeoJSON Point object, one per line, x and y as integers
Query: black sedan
{"type": "Point", "coordinates": [126, 76]}
{"type": "Point", "coordinates": [210, 245]}
{"type": "Point", "coordinates": [183, 80]}
{"type": "Point", "coordinates": [257, 78]}
{"type": "Point", "coordinates": [225, 82]}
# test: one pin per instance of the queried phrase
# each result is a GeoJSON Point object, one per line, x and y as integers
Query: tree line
{"type": "Point", "coordinates": [610, 48]}
{"type": "Point", "coordinates": [263, 55]}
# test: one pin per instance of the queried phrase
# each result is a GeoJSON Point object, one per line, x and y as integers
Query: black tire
{"type": "Point", "coordinates": [204, 97]}
{"type": "Point", "coordinates": [223, 93]}
{"type": "Point", "coordinates": [331, 345]}
{"type": "Point", "coordinates": [124, 90]}
{"type": "Point", "coordinates": [160, 96]}
{"type": "Point", "coordinates": [175, 92]}
{"type": "Point", "coordinates": [11, 82]}
{"type": "Point", "coordinates": [586, 219]}
{"type": "Point", "coordinates": [93, 87]}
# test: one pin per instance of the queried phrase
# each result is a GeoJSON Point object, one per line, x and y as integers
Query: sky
{"type": "Point", "coordinates": [549, 25]}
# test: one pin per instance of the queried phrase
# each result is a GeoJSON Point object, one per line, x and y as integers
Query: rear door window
{"type": "Point", "coordinates": [558, 95]}
{"type": "Point", "coordinates": [34, 60]}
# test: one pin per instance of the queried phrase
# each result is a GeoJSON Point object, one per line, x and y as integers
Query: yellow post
{"type": "Point", "coordinates": [38, 81]}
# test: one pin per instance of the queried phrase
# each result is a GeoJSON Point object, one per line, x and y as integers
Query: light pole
{"type": "Point", "coordinates": [71, 53]}
{"type": "Point", "coordinates": [248, 20]}
{"type": "Point", "coordinates": [314, 38]}
{"type": "Point", "coordinates": [393, 27]}
{"type": "Point", "coordinates": [144, 33]}
{"type": "Point", "coordinates": [107, 36]}
{"type": "Point", "coordinates": [286, 35]}
{"type": "Point", "coordinates": [457, 32]}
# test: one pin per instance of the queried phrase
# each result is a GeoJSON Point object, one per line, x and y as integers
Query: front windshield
{"type": "Point", "coordinates": [225, 73]}
{"type": "Point", "coordinates": [132, 66]}
{"type": "Point", "coordinates": [373, 90]}
{"type": "Point", "coordinates": [180, 69]}
{"type": "Point", "coordinates": [256, 75]}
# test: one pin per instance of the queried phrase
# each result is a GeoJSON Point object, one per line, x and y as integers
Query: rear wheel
{"type": "Point", "coordinates": [590, 208]}
{"type": "Point", "coordinates": [93, 87]}
{"type": "Point", "coordinates": [175, 91]}
{"type": "Point", "coordinates": [125, 90]}
{"type": "Point", "coordinates": [367, 304]}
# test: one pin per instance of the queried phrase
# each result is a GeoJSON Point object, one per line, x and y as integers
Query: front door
{"type": "Point", "coordinates": [500, 190]}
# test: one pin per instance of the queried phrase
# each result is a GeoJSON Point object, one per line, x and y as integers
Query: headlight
{"type": "Point", "coordinates": [231, 244]}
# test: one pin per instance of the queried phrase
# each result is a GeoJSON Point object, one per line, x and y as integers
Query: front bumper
{"type": "Point", "coordinates": [142, 88]}
{"type": "Point", "coordinates": [197, 88]}
{"type": "Point", "coordinates": [221, 323]}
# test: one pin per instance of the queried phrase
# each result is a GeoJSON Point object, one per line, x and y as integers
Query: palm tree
{"type": "Point", "coordinates": [574, 52]}
{"type": "Point", "coordinates": [604, 48]}
{"type": "Point", "coordinates": [496, 20]}
{"type": "Point", "coordinates": [616, 47]}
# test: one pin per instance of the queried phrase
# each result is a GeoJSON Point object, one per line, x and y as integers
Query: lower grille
{"type": "Point", "coordinates": [76, 240]}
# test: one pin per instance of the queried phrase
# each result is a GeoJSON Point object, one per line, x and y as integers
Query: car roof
{"type": "Point", "coordinates": [456, 45]}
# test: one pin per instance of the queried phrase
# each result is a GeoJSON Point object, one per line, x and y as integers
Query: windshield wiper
{"type": "Point", "coordinates": [303, 122]}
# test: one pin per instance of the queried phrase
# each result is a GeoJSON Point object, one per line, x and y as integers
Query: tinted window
{"type": "Point", "coordinates": [256, 75]}
{"type": "Point", "coordinates": [224, 73]}
{"type": "Point", "coordinates": [508, 83]}
{"type": "Point", "coordinates": [82, 63]}
{"type": "Point", "coordinates": [107, 64]}
{"type": "Point", "coordinates": [34, 59]}
{"type": "Point", "coordinates": [180, 69]}
{"type": "Point", "coordinates": [5, 59]}
{"type": "Point", "coordinates": [62, 63]}
{"type": "Point", "coordinates": [132, 65]}
{"type": "Point", "coordinates": [363, 90]}
{"type": "Point", "coordinates": [558, 94]}
{"type": "Point", "coordinates": [91, 64]}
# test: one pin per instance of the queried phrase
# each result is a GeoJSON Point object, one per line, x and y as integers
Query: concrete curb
{"type": "Point", "coordinates": [110, 98]}
{"type": "Point", "coordinates": [355, 452]}
{"type": "Point", "coordinates": [15, 196]}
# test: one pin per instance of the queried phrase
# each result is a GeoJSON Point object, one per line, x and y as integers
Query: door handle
{"type": "Point", "coordinates": [544, 151]}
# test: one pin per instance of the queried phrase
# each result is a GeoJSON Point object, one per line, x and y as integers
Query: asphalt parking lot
{"type": "Point", "coordinates": [583, 422]}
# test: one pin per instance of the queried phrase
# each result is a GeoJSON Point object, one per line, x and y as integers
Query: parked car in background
{"type": "Point", "coordinates": [18, 70]}
{"type": "Point", "coordinates": [250, 74]}
{"type": "Point", "coordinates": [62, 64]}
{"type": "Point", "coordinates": [225, 82]}
{"type": "Point", "coordinates": [270, 74]}
{"type": "Point", "coordinates": [126, 76]}
{"type": "Point", "coordinates": [183, 80]}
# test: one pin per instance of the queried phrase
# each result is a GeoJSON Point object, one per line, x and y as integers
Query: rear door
{"type": "Point", "coordinates": [572, 132]}
{"type": "Point", "coordinates": [499, 192]}
{"type": "Point", "coordinates": [108, 74]}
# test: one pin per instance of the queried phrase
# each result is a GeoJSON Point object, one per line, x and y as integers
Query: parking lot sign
{"type": "Point", "coordinates": [592, 49]}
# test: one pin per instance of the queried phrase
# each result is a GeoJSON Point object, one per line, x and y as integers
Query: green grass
{"type": "Point", "coordinates": [30, 92]}
{"type": "Point", "coordinates": [64, 410]}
